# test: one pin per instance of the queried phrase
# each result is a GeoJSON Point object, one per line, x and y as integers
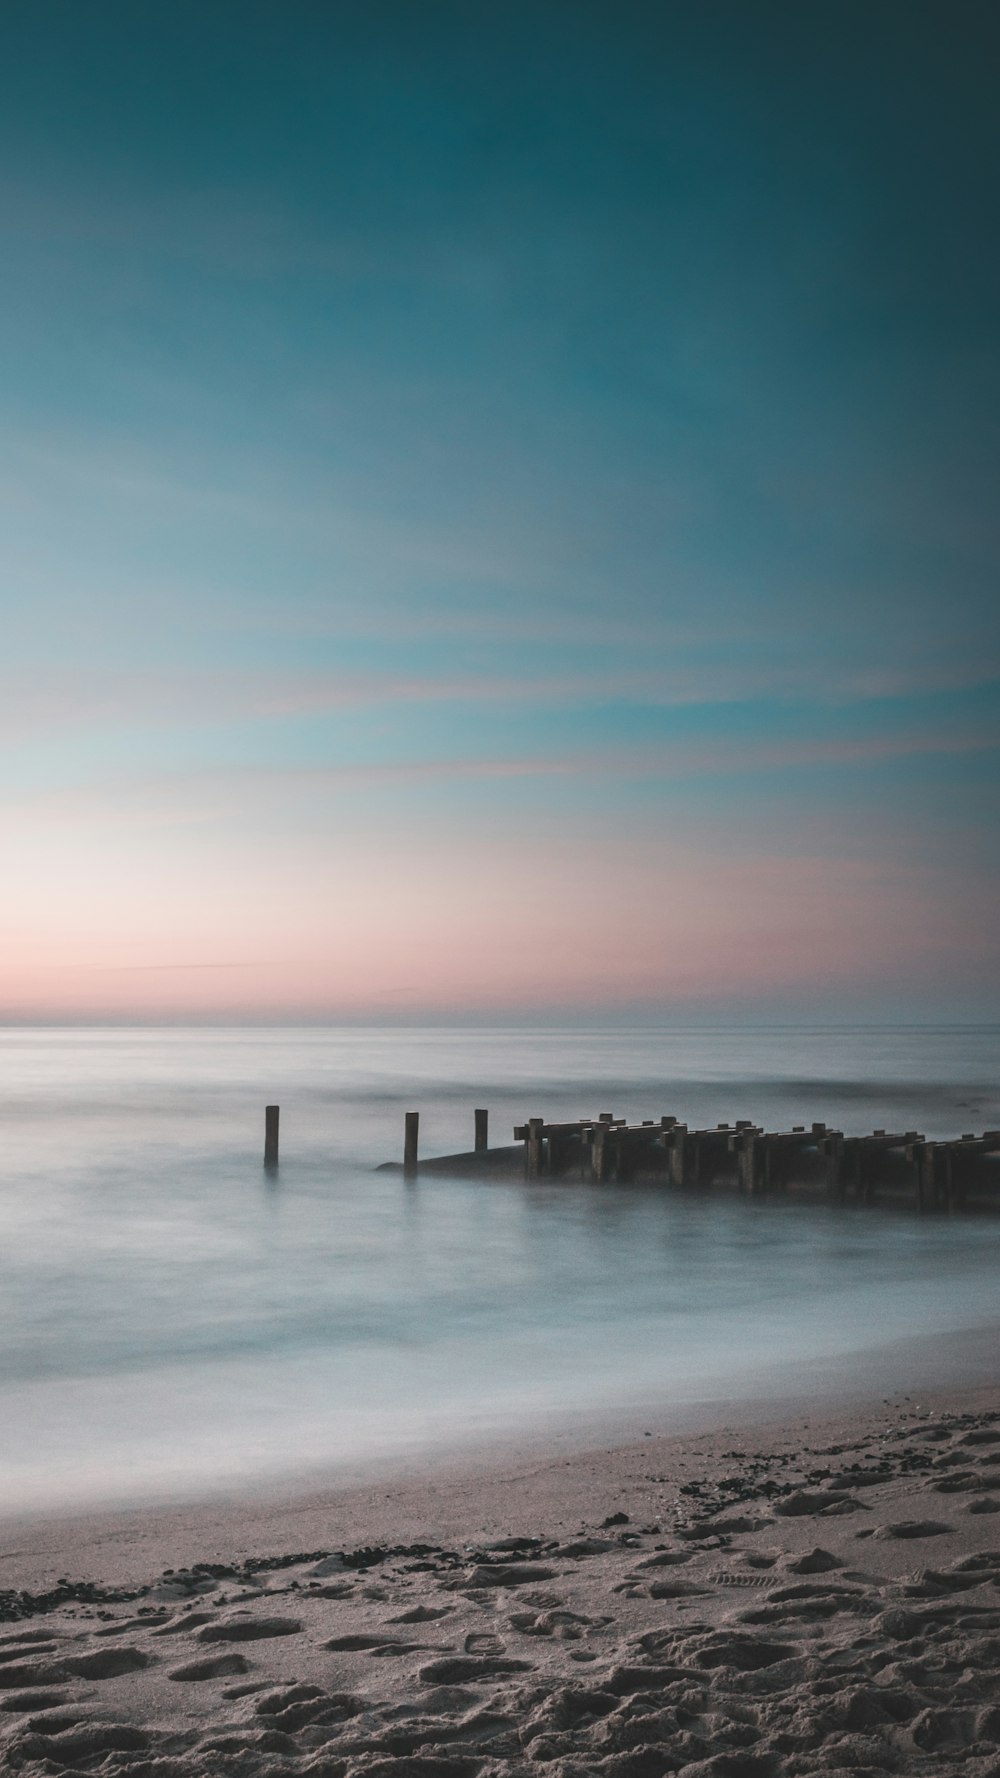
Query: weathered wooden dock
{"type": "Point", "coordinates": [811, 1161]}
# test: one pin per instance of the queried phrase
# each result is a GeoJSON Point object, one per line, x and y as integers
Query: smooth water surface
{"type": "Point", "coordinates": [175, 1320]}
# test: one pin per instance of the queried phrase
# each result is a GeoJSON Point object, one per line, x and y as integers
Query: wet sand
{"type": "Point", "coordinates": [819, 1595]}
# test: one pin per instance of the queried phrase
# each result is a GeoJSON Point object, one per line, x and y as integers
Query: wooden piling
{"type": "Point", "coordinates": [411, 1137]}
{"type": "Point", "coordinates": [745, 1146]}
{"type": "Point", "coordinates": [923, 1156]}
{"type": "Point", "coordinates": [904, 1165]}
{"type": "Point", "coordinates": [675, 1143]}
{"type": "Point", "coordinates": [534, 1147]}
{"type": "Point", "coordinates": [271, 1135]}
{"type": "Point", "coordinates": [832, 1148]}
{"type": "Point", "coordinates": [599, 1150]}
{"type": "Point", "coordinates": [693, 1157]}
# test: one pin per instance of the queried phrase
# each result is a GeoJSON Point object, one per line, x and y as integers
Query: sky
{"type": "Point", "coordinates": [498, 510]}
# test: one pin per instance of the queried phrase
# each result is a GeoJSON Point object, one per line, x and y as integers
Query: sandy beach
{"type": "Point", "coordinates": [753, 1600]}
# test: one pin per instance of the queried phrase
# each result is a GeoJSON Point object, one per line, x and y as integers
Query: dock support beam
{"type": "Point", "coordinates": [482, 1126]}
{"type": "Point", "coordinates": [271, 1135]}
{"type": "Point", "coordinates": [411, 1139]}
{"type": "Point", "coordinates": [534, 1147]}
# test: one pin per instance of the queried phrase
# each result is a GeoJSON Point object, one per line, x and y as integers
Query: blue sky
{"type": "Point", "coordinates": [456, 432]}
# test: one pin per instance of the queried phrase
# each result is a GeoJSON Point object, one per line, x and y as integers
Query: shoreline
{"type": "Point", "coordinates": [815, 1597]}
{"type": "Point", "coordinates": [448, 1492]}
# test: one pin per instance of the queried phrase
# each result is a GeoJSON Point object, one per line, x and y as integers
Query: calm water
{"type": "Point", "coordinates": [174, 1320]}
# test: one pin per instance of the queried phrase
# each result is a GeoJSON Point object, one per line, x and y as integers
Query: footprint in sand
{"type": "Point", "coordinates": [747, 1654]}
{"type": "Point", "coordinates": [505, 1574]}
{"type": "Point", "coordinates": [566, 1626]}
{"type": "Point", "coordinates": [675, 1589]}
{"type": "Point", "coordinates": [806, 1604]}
{"type": "Point", "coordinates": [83, 1744]}
{"type": "Point", "coordinates": [934, 1583]}
{"type": "Point", "coordinates": [738, 1580]}
{"type": "Point", "coordinates": [467, 1669]}
{"type": "Point", "coordinates": [665, 1559]}
{"type": "Point", "coordinates": [479, 1643]}
{"type": "Point", "coordinates": [984, 1561]}
{"type": "Point", "coordinates": [814, 1561]}
{"type": "Point", "coordinates": [23, 1675]}
{"type": "Point", "coordinates": [9, 1657]}
{"type": "Point", "coordinates": [188, 1620]}
{"type": "Point", "coordinates": [421, 1614]}
{"type": "Point", "coordinates": [912, 1528]}
{"type": "Point", "coordinates": [251, 1629]}
{"type": "Point", "coordinates": [804, 1502]}
{"type": "Point", "coordinates": [214, 1667]}
{"type": "Point", "coordinates": [962, 1483]}
{"type": "Point", "coordinates": [587, 1546]}
{"type": "Point", "coordinates": [131, 1623]}
{"type": "Point", "coordinates": [296, 1707]}
{"type": "Point", "coordinates": [22, 1703]}
{"type": "Point", "coordinates": [374, 1645]}
{"type": "Point", "coordinates": [108, 1663]}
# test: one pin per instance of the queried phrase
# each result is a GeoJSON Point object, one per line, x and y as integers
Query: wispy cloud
{"type": "Point", "coordinates": [55, 701]}
{"type": "Point", "coordinates": [208, 796]}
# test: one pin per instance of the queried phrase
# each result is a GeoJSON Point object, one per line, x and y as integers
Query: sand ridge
{"type": "Point", "coordinates": [795, 1608]}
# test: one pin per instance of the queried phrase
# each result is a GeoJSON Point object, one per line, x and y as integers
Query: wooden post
{"type": "Point", "coordinates": [482, 1124]}
{"type": "Point", "coordinates": [675, 1141]}
{"type": "Point", "coordinates": [533, 1147]}
{"type": "Point", "coordinates": [746, 1155]}
{"type": "Point", "coordinates": [271, 1135]}
{"type": "Point", "coordinates": [867, 1168]}
{"type": "Point", "coordinates": [599, 1151]}
{"type": "Point", "coordinates": [924, 1154]}
{"type": "Point", "coordinates": [411, 1137]}
{"type": "Point", "coordinates": [768, 1163]}
{"type": "Point", "coordinates": [949, 1178]}
{"type": "Point", "coordinates": [693, 1159]}
{"type": "Point", "coordinates": [832, 1146]}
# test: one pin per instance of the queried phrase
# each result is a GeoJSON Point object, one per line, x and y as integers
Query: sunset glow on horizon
{"type": "Point", "coordinates": [497, 514]}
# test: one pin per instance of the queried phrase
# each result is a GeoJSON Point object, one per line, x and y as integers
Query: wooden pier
{"type": "Point", "coordinates": [812, 1161]}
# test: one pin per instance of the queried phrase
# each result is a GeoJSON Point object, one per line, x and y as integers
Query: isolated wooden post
{"type": "Point", "coordinates": [271, 1135]}
{"type": "Point", "coordinates": [533, 1146]}
{"type": "Point", "coordinates": [482, 1124]}
{"type": "Point", "coordinates": [411, 1138]}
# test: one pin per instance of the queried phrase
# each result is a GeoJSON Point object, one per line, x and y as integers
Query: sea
{"type": "Point", "coordinates": [178, 1321]}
